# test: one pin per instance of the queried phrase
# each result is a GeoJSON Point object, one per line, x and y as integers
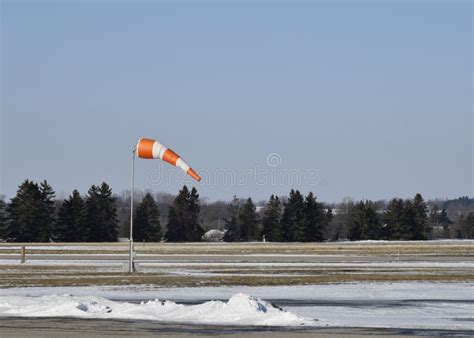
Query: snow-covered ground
{"type": "Point", "coordinates": [241, 309]}
{"type": "Point", "coordinates": [417, 305]}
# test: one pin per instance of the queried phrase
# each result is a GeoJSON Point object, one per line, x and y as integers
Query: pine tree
{"type": "Point", "coordinates": [364, 222]}
{"type": "Point", "coordinates": [292, 219]}
{"type": "Point", "coordinates": [3, 220]}
{"type": "Point", "coordinates": [372, 221]}
{"type": "Point", "coordinates": [176, 227]}
{"type": "Point", "coordinates": [173, 233]}
{"type": "Point", "coordinates": [195, 231]}
{"type": "Point", "coordinates": [409, 226]}
{"type": "Point", "coordinates": [420, 230]}
{"type": "Point", "coordinates": [109, 211]}
{"type": "Point", "coordinates": [271, 221]}
{"type": "Point", "coordinates": [314, 220]}
{"type": "Point", "coordinates": [248, 221]}
{"type": "Point", "coordinates": [48, 212]}
{"type": "Point", "coordinates": [393, 220]}
{"type": "Point", "coordinates": [146, 226]}
{"type": "Point", "coordinates": [70, 225]}
{"type": "Point", "coordinates": [465, 229]}
{"type": "Point", "coordinates": [232, 229]}
{"type": "Point", "coordinates": [91, 217]}
{"type": "Point", "coordinates": [183, 218]}
{"type": "Point", "coordinates": [100, 215]}
{"type": "Point", "coordinates": [25, 213]}
{"type": "Point", "coordinates": [356, 225]}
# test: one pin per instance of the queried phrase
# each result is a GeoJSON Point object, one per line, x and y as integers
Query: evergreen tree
{"type": "Point", "coordinates": [232, 229]}
{"type": "Point", "coordinates": [109, 213]}
{"type": "Point", "coordinates": [176, 227]}
{"type": "Point", "coordinates": [409, 225]}
{"type": "Point", "coordinates": [183, 217]}
{"type": "Point", "coordinates": [293, 217]}
{"type": "Point", "coordinates": [48, 212]}
{"type": "Point", "coordinates": [271, 221]}
{"type": "Point", "coordinates": [91, 231]}
{"type": "Point", "coordinates": [100, 215]}
{"type": "Point", "coordinates": [248, 222]}
{"type": "Point", "coordinates": [408, 221]}
{"type": "Point", "coordinates": [356, 231]}
{"type": "Point", "coordinates": [173, 233]}
{"type": "Point", "coordinates": [364, 222]}
{"type": "Point", "coordinates": [25, 214]}
{"type": "Point", "coordinates": [314, 220]}
{"type": "Point", "coordinates": [372, 221]}
{"type": "Point", "coordinates": [195, 231]}
{"type": "Point", "coordinates": [420, 228]}
{"type": "Point", "coordinates": [465, 230]}
{"type": "Point", "coordinates": [146, 225]}
{"type": "Point", "coordinates": [70, 225]}
{"type": "Point", "coordinates": [393, 220]}
{"type": "Point", "coordinates": [3, 220]}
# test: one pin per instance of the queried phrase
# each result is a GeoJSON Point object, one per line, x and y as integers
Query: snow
{"type": "Point", "coordinates": [241, 309]}
{"type": "Point", "coordinates": [190, 263]}
{"type": "Point", "coordinates": [417, 305]}
{"type": "Point", "coordinates": [56, 247]}
{"type": "Point", "coordinates": [422, 242]}
{"type": "Point", "coordinates": [422, 315]}
{"type": "Point", "coordinates": [395, 264]}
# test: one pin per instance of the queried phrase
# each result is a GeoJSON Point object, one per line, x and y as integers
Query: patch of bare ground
{"type": "Point", "coordinates": [91, 266]}
{"type": "Point", "coordinates": [73, 279]}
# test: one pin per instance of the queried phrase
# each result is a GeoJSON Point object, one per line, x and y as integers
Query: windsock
{"type": "Point", "coordinates": [148, 148]}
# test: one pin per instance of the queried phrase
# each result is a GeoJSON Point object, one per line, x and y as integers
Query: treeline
{"type": "Point", "coordinates": [398, 219]}
{"type": "Point", "coordinates": [31, 216]}
{"type": "Point", "coordinates": [402, 220]}
{"type": "Point", "coordinates": [34, 215]}
{"type": "Point", "coordinates": [304, 219]}
{"type": "Point", "coordinates": [299, 219]}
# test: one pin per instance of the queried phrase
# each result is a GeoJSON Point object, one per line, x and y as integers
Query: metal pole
{"type": "Point", "coordinates": [132, 193]}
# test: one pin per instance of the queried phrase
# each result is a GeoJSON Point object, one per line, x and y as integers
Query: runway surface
{"type": "Point", "coordinates": [68, 327]}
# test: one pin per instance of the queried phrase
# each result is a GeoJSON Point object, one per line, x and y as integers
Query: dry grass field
{"type": "Point", "coordinates": [203, 264]}
{"type": "Point", "coordinates": [445, 247]}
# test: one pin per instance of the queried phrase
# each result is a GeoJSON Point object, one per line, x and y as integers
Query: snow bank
{"type": "Point", "coordinates": [408, 305]}
{"type": "Point", "coordinates": [241, 309]}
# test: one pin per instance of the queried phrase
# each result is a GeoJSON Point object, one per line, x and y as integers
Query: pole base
{"type": "Point", "coordinates": [131, 263]}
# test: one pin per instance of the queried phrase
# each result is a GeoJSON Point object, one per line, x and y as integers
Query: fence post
{"type": "Point", "coordinates": [23, 254]}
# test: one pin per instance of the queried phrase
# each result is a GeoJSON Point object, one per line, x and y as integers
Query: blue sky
{"type": "Point", "coordinates": [373, 99]}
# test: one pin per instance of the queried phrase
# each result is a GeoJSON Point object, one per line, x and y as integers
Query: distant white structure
{"type": "Point", "coordinates": [213, 235]}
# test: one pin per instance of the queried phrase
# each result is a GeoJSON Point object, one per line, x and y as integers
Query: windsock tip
{"type": "Point", "coordinates": [193, 174]}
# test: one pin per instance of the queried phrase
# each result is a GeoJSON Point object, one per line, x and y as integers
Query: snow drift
{"type": "Point", "coordinates": [241, 309]}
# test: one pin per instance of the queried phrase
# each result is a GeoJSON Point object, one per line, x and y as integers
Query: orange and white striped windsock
{"type": "Point", "coordinates": [148, 148]}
